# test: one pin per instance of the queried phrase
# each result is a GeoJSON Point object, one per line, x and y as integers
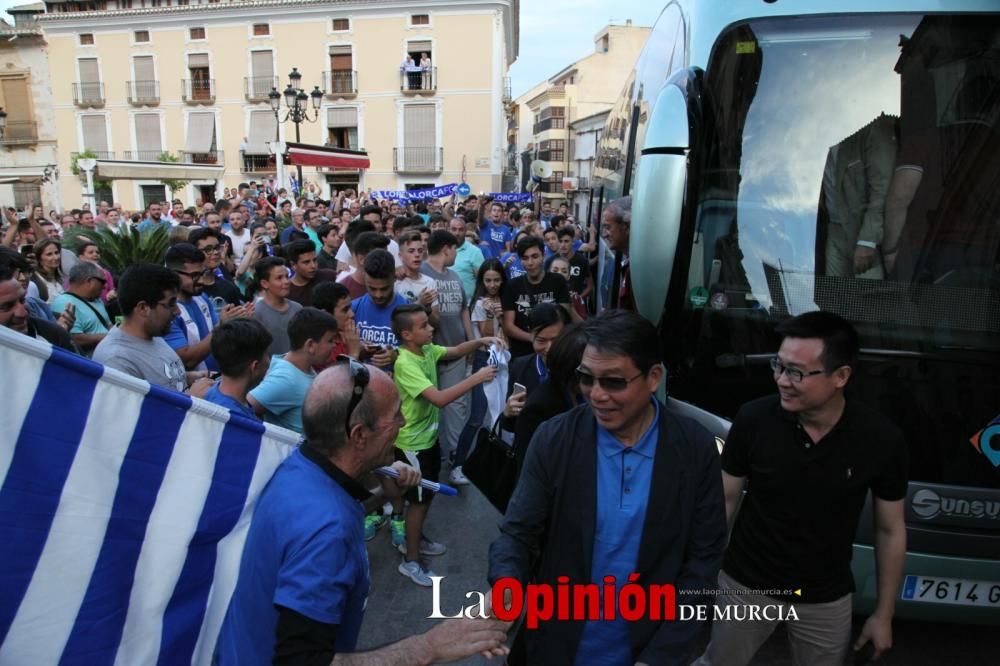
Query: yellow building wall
{"type": "Point", "coordinates": [463, 53]}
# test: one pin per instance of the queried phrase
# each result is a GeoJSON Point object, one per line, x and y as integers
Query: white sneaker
{"type": "Point", "coordinates": [427, 547]}
{"type": "Point", "coordinates": [457, 478]}
{"type": "Point", "coordinates": [416, 572]}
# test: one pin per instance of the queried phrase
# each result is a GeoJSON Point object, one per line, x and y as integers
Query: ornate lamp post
{"type": "Point", "coordinates": [296, 100]}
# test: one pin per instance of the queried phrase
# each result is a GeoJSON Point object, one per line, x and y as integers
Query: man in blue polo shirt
{"type": "Point", "coordinates": [304, 579]}
{"type": "Point", "coordinates": [242, 348]}
{"type": "Point", "coordinates": [495, 233]}
{"type": "Point", "coordinates": [616, 487]}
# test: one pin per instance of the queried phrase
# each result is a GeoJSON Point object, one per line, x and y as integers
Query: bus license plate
{"type": "Point", "coordinates": [951, 591]}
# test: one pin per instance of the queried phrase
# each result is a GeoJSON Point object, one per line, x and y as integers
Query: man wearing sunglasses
{"type": "Point", "coordinates": [810, 456]}
{"type": "Point", "coordinates": [615, 487]}
{"type": "Point", "coordinates": [191, 332]}
{"type": "Point", "coordinates": [304, 578]}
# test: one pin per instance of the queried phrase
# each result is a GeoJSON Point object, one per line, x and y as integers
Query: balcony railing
{"type": "Point", "coordinates": [341, 83]}
{"type": "Point", "coordinates": [211, 157]}
{"type": "Point", "coordinates": [142, 155]}
{"type": "Point", "coordinates": [418, 160]}
{"type": "Point", "coordinates": [141, 93]}
{"type": "Point", "coordinates": [507, 97]}
{"type": "Point", "coordinates": [256, 163]}
{"type": "Point", "coordinates": [417, 80]}
{"type": "Point", "coordinates": [20, 131]}
{"type": "Point", "coordinates": [583, 183]}
{"type": "Point", "coordinates": [547, 124]}
{"type": "Point", "coordinates": [98, 154]}
{"type": "Point", "coordinates": [198, 91]}
{"type": "Point", "coordinates": [555, 155]}
{"type": "Point", "coordinates": [88, 94]}
{"type": "Point", "coordinates": [258, 87]}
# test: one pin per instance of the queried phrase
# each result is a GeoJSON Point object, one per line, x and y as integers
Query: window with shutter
{"type": "Point", "coordinates": [89, 70]}
{"type": "Point", "coordinates": [201, 133]}
{"type": "Point", "coordinates": [263, 129]}
{"type": "Point", "coordinates": [341, 58]}
{"type": "Point", "coordinates": [141, 36]}
{"type": "Point", "coordinates": [341, 25]}
{"type": "Point", "coordinates": [87, 39]}
{"type": "Point", "coordinates": [95, 134]}
{"type": "Point", "coordinates": [148, 143]}
{"type": "Point", "coordinates": [420, 19]}
{"type": "Point", "coordinates": [261, 29]}
{"type": "Point", "coordinates": [419, 137]}
{"type": "Point", "coordinates": [197, 33]}
{"type": "Point", "coordinates": [262, 64]}
{"type": "Point", "coordinates": [21, 125]}
{"type": "Point", "coordinates": [342, 127]}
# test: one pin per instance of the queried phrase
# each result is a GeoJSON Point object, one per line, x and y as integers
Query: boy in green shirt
{"type": "Point", "coordinates": [415, 374]}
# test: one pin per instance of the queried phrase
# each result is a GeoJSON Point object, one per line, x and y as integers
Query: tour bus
{"type": "Point", "coordinates": [841, 155]}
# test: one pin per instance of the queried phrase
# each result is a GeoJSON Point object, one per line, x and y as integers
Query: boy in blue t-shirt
{"type": "Point", "coordinates": [373, 311]}
{"type": "Point", "coordinates": [495, 233]}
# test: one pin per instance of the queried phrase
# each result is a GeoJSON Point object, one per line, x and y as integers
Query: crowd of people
{"type": "Point", "coordinates": [373, 328]}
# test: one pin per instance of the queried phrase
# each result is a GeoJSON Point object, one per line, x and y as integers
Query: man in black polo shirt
{"type": "Point", "coordinates": [810, 456]}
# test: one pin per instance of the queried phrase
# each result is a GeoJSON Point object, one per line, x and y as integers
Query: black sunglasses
{"type": "Point", "coordinates": [360, 377]}
{"type": "Point", "coordinates": [609, 384]}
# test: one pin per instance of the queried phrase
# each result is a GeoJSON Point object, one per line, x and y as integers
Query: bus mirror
{"type": "Point", "coordinates": [669, 125]}
{"type": "Point", "coordinates": [657, 202]}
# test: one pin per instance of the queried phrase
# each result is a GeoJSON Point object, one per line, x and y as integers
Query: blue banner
{"type": "Point", "coordinates": [511, 197]}
{"type": "Point", "coordinates": [415, 195]}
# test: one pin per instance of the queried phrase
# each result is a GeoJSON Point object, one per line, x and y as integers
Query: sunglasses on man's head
{"type": "Point", "coordinates": [360, 377]}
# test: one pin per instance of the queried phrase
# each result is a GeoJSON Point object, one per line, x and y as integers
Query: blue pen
{"type": "Point", "coordinates": [438, 488]}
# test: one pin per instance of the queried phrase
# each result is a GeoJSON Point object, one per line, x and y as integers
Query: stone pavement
{"type": "Point", "coordinates": [397, 607]}
{"type": "Point", "coordinates": [467, 524]}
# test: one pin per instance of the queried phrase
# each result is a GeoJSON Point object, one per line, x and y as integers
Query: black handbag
{"type": "Point", "coordinates": [492, 467]}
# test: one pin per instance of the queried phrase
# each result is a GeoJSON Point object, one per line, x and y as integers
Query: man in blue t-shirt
{"type": "Point", "coordinates": [373, 311]}
{"type": "Point", "coordinates": [242, 348]}
{"type": "Point", "coordinates": [304, 578]}
{"type": "Point", "coordinates": [312, 335]}
{"type": "Point", "coordinates": [495, 233]}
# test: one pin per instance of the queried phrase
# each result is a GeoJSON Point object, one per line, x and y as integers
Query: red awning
{"type": "Point", "coordinates": [325, 156]}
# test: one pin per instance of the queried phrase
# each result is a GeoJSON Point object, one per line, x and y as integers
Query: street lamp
{"type": "Point", "coordinates": [296, 99]}
{"type": "Point", "coordinates": [3, 122]}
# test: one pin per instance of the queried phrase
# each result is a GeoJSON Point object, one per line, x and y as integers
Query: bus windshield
{"type": "Point", "coordinates": [852, 164]}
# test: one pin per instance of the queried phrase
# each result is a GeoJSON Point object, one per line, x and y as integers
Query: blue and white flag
{"type": "Point", "coordinates": [424, 194]}
{"type": "Point", "coordinates": [123, 512]}
{"type": "Point", "coordinates": [511, 197]}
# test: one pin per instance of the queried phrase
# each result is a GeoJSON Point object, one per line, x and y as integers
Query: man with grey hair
{"type": "Point", "coordinates": [86, 282]}
{"type": "Point", "coordinates": [616, 222]}
{"type": "Point", "coordinates": [304, 581]}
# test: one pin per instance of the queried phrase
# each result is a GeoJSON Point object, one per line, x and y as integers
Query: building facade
{"type": "Point", "coordinates": [585, 133]}
{"type": "Point", "coordinates": [587, 87]}
{"type": "Point", "coordinates": [28, 156]}
{"type": "Point", "coordinates": [418, 84]}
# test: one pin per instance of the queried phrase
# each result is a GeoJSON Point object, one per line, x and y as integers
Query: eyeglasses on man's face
{"type": "Point", "coordinates": [194, 275]}
{"type": "Point", "coordinates": [795, 375]}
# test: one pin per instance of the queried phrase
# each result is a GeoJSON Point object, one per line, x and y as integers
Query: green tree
{"type": "Point", "coordinates": [122, 249]}
{"type": "Point", "coordinates": [77, 171]}
{"type": "Point", "coordinates": [172, 185]}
